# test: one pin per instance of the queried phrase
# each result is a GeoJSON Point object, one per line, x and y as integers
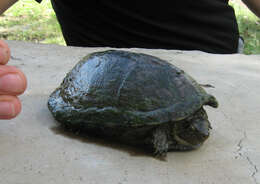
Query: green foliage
{"type": "Point", "coordinates": [30, 21]}
{"type": "Point", "coordinates": [249, 28]}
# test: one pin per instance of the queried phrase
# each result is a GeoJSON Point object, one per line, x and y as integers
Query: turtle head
{"type": "Point", "coordinates": [192, 132]}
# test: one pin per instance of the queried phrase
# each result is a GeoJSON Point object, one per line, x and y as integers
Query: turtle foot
{"type": "Point", "coordinates": [160, 142]}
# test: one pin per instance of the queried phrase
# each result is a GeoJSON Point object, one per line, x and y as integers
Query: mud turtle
{"type": "Point", "coordinates": [135, 98]}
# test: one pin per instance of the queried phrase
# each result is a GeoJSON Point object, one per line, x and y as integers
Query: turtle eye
{"type": "Point", "coordinates": [192, 127]}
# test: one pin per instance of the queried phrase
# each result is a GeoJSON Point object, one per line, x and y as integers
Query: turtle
{"type": "Point", "coordinates": [134, 98]}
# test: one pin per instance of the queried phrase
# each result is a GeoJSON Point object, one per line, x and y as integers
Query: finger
{"type": "Point", "coordinates": [10, 107]}
{"type": "Point", "coordinates": [12, 81]}
{"type": "Point", "coordinates": [4, 53]}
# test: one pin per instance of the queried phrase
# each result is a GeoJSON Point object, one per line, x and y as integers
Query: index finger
{"type": "Point", "coordinates": [4, 53]}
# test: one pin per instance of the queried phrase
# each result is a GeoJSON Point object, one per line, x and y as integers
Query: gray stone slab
{"type": "Point", "coordinates": [33, 150]}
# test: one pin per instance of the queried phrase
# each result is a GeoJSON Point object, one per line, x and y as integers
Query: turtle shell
{"type": "Point", "coordinates": [126, 89]}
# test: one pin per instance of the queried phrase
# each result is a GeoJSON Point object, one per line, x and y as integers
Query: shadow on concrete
{"type": "Point", "coordinates": [135, 151]}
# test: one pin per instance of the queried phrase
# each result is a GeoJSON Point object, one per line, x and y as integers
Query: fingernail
{"type": "Point", "coordinates": [7, 109]}
{"type": "Point", "coordinates": [11, 83]}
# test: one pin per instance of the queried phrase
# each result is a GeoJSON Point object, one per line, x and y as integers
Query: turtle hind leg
{"type": "Point", "coordinates": [160, 141]}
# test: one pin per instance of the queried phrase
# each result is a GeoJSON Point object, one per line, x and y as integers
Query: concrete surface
{"type": "Point", "coordinates": [33, 150]}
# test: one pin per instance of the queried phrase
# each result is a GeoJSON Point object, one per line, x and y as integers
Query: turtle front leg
{"type": "Point", "coordinates": [160, 141]}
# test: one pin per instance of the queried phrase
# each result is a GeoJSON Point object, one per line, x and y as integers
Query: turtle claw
{"type": "Point", "coordinates": [161, 154]}
{"type": "Point", "coordinates": [160, 142]}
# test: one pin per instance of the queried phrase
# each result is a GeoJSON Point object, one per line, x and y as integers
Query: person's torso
{"type": "Point", "coordinates": [207, 25]}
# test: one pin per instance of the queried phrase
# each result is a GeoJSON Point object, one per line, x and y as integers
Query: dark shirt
{"type": "Point", "coordinates": [206, 25]}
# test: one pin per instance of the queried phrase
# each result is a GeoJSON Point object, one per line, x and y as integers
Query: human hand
{"type": "Point", "coordinates": [12, 83]}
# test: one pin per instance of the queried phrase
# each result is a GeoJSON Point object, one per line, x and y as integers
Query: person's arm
{"type": "Point", "coordinates": [5, 4]}
{"type": "Point", "coordinates": [254, 6]}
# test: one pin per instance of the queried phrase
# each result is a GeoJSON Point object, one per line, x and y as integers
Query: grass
{"type": "Point", "coordinates": [249, 27]}
{"type": "Point", "coordinates": [30, 21]}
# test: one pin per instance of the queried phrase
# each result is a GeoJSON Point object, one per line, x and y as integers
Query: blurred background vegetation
{"type": "Point", "coordinates": [30, 21]}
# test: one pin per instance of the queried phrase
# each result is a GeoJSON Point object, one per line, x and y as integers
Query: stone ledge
{"type": "Point", "coordinates": [33, 150]}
